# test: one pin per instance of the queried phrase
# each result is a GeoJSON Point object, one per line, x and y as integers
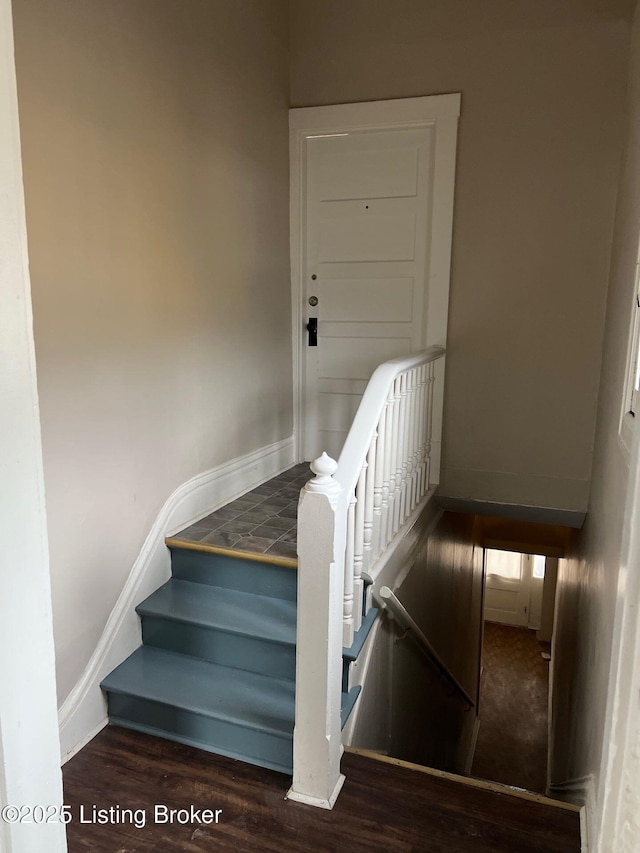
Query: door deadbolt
{"type": "Point", "coordinates": [313, 300]}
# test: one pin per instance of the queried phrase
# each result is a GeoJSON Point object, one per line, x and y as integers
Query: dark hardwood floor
{"type": "Point", "coordinates": [381, 807]}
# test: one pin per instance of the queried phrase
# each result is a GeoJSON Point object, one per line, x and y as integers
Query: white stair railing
{"type": "Point", "coordinates": [385, 466]}
{"type": "Point", "coordinates": [347, 517]}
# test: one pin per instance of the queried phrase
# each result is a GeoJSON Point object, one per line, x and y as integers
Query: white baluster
{"type": "Point", "coordinates": [358, 547]}
{"type": "Point", "coordinates": [432, 379]}
{"type": "Point", "coordinates": [368, 503]}
{"type": "Point", "coordinates": [389, 470]}
{"type": "Point", "coordinates": [394, 498]}
{"type": "Point", "coordinates": [408, 506]}
{"type": "Point", "coordinates": [397, 504]}
{"type": "Point", "coordinates": [321, 549]}
{"type": "Point", "coordinates": [348, 627]}
{"type": "Point", "coordinates": [414, 440]}
{"type": "Point", "coordinates": [420, 393]}
{"type": "Point", "coordinates": [424, 431]}
{"type": "Point", "coordinates": [379, 480]}
{"type": "Point", "coordinates": [402, 462]}
{"type": "Point", "coordinates": [406, 448]}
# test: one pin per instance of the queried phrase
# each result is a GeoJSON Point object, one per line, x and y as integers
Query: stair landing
{"type": "Point", "coordinates": [260, 525]}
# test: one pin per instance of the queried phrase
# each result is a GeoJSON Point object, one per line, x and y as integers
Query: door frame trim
{"type": "Point", "coordinates": [439, 112]}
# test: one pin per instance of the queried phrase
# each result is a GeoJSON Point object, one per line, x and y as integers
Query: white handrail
{"type": "Point", "coordinates": [371, 406]}
{"type": "Point", "coordinates": [403, 616]}
{"type": "Point", "coordinates": [384, 467]}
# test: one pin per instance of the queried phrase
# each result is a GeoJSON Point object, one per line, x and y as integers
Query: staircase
{"type": "Point", "coordinates": [217, 666]}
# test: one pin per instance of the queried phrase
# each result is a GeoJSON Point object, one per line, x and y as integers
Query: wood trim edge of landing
{"type": "Point", "coordinates": [495, 787]}
{"type": "Point", "coordinates": [190, 545]}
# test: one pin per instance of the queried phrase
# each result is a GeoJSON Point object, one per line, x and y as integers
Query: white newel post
{"type": "Point", "coordinates": [321, 547]}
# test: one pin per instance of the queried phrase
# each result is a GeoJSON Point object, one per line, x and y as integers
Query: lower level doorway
{"type": "Point", "coordinates": [512, 738]}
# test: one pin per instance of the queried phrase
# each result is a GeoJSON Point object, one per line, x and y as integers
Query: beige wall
{"type": "Point", "coordinates": [156, 173]}
{"type": "Point", "coordinates": [542, 88]}
{"type": "Point", "coordinates": [588, 583]}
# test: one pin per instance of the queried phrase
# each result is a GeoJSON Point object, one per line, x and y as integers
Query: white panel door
{"type": "Point", "coordinates": [368, 207]}
{"type": "Point", "coordinates": [507, 587]}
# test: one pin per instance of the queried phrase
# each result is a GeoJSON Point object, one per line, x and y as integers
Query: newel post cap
{"type": "Point", "coordinates": [324, 467]}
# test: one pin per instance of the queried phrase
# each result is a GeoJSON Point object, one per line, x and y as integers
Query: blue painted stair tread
{"type": "Point", "coordinates": [353, 652]}
{"type": "Point", "coordinates": [206, 688]}
{"type": "Point", "coordinates": [228, 610]}
{"type": "Point", "coordinates": [220, 709]}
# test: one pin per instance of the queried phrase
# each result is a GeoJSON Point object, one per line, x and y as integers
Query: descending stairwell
{"type": "Point", "coordinates": [217, 666]}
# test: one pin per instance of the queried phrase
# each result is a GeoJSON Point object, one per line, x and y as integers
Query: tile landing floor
{"type": "Point", "coordinates": [261, 524]}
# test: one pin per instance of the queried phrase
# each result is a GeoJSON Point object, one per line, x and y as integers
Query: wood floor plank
{"type": "Point", "coordinates": [381, 807]}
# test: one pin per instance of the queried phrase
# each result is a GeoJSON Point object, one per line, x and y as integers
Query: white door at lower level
{"type": "Point", "coordinates": [507, 587]}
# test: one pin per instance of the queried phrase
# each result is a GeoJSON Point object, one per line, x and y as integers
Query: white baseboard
{"type": "Point", "coordinates": [584, 831]}
{"type": "Point", "coordinates": [581, 792]}
{"type": "Point", "coordinates": [473, 742]}
{"type": "Point", "coordinates": [84, 712]}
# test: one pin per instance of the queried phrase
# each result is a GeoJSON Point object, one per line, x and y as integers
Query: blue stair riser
{"type": "Point", "coordinates": [347, 704]}
{"type": "Point", "coordinates": [234, 573]}
{"type": "Point", "coordinates": [350, 655]}
{"type": "Point", "coordinates": [266, 749]}
{"type": "Point", "coordinates": [346, 672]}
{"type": "Point", "coordinates": [254, 654]}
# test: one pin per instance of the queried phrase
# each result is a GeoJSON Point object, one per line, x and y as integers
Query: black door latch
{"type": "Point", "coordinates": [312, 328]}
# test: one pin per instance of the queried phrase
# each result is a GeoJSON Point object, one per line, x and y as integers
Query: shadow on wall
{"type": "Point", "coordinates": [407, 709]}
{"type": "Point", "coordinates": [443, 592]}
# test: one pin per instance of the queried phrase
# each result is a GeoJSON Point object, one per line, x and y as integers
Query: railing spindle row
{"type": "Point", "coordinates": [392, 480]}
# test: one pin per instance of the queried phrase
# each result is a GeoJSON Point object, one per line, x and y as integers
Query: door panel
{"type": "Point", "coordinates": [380, 172]}
{"type": "Point", "coordinates": [357, 358]}
{"type": "Point", "coordinates": [368, 208]}
{"type": "Point", "coordinates": [372, 238]}
{"type": "Point", "coordinates": [373, 300]}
